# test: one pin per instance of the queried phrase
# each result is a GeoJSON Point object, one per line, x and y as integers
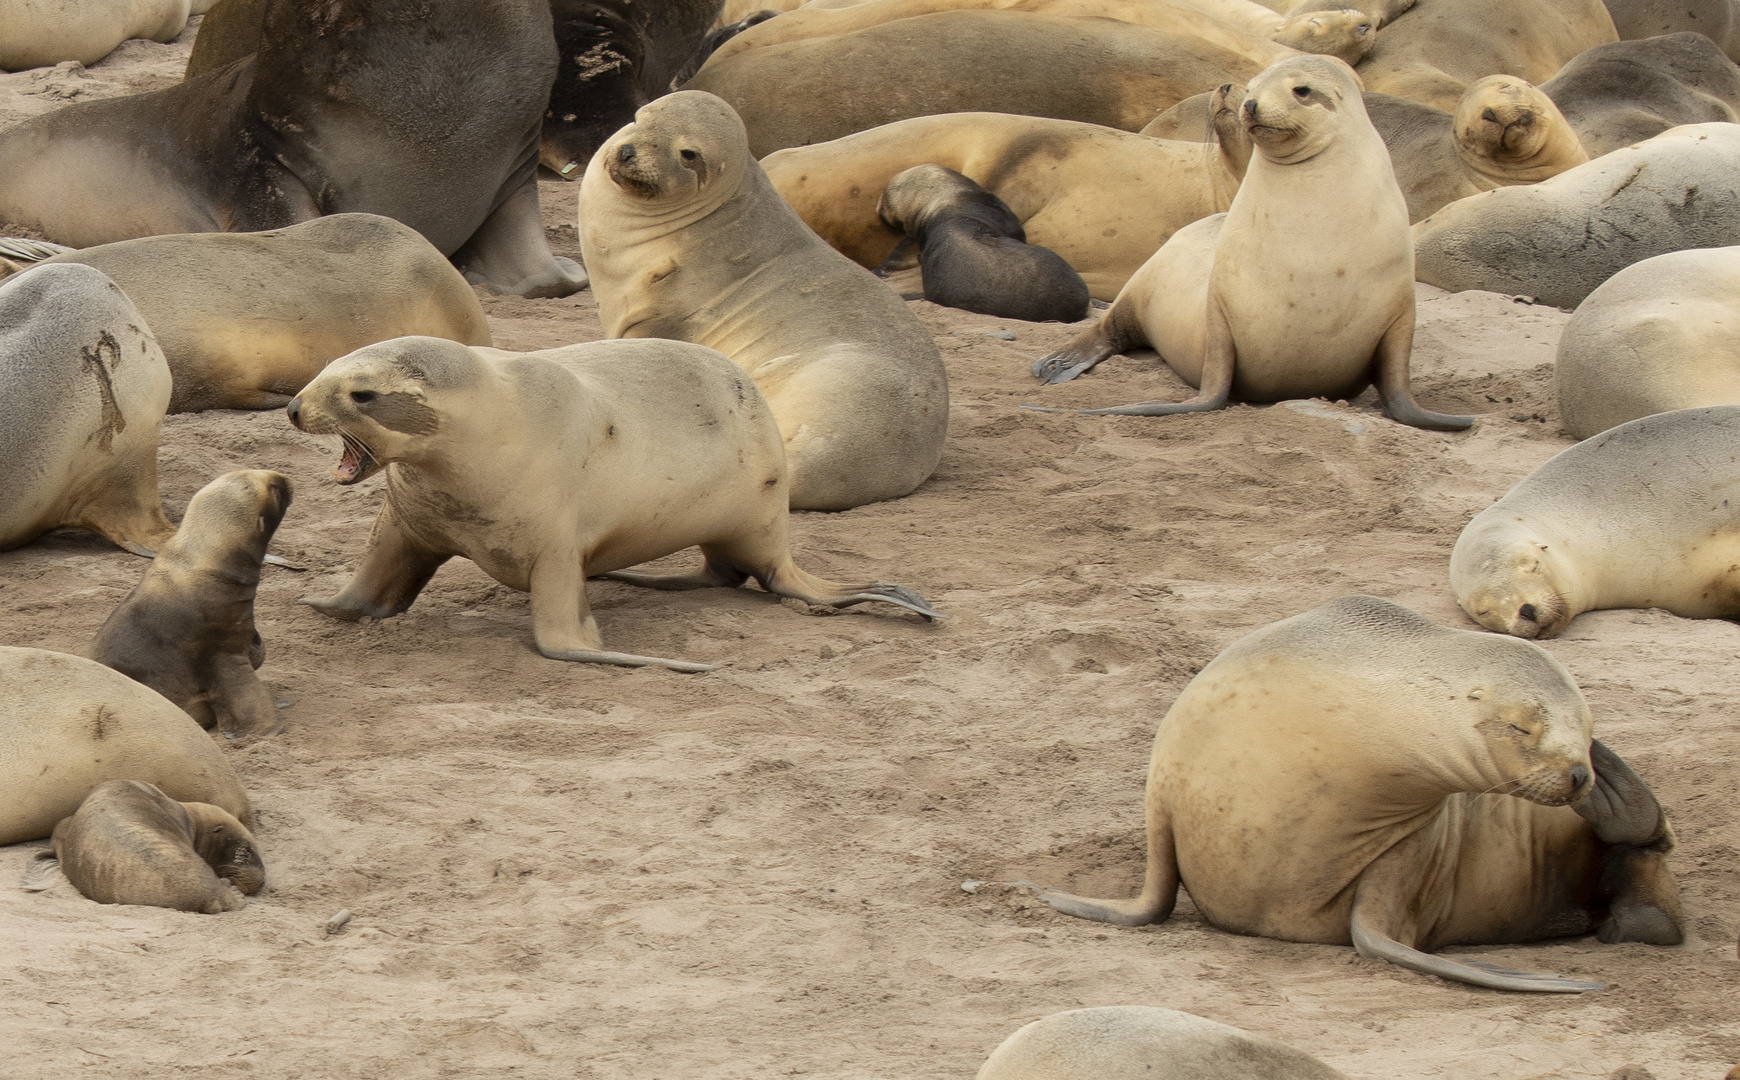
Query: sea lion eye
{"type": "Point", "coordinates": [1519, 730]}
{"type": "Point", "coordinates": [687, 155]}
{"type": "Point", "coordinates": [362, 397]}
{"type": "Point", "coordinates": [1301, 92]}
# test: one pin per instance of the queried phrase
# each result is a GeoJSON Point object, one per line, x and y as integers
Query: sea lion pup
{"type": "Point", "coordinates": [83, 387]}
{"type": "Point", "coordinates": [68, 724]}
{"type": "Point", "coordinates": [686, 239]}
{"type": "Point", "coordinates": [1559, 239]}
{"type": "Point", "coordinates": [973, 251]}
{"type": "Point", "coordinates": [35, 34]}
{"type": "Point", "coordinates": [1623, 93]}
{"type": "Point", "coordinates": [187, 629]}
{"type": "Point", "coordinates": [1096, 71]}
{"type": "Point", "coordinates": [247, 319]}
{"type": "Point", "coordinates": [1304, 288]}
{"type": "Point", "coordinates": [1641, 516]}
{"type": "Point", "coordinates": [1655, 337]}
{"type": "Point", "coordinates": [131, 844]}
{"type": "Point", "coordinates": [1138, 1042]}
{"type": "Point", "coordinates": [548, 468]}
{"type": "Point", "coordinates": [1104, 200]}
{"type": "Point", "coordinates": [439, 129]}
{"type": "Point", "coordinates": [1359, 775]}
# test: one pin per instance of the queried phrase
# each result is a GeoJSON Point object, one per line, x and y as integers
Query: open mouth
{"type": "Point", "coordinates": [357, 461]}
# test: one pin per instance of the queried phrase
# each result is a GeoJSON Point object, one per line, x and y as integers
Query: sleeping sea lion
{"type": "Point", "coordinates": [1359, 775]}
{"type": "Point", "coordinates": [1304, 288]}
{"type": "Point", "coordinates": [1619, 94]}
{"type": "Point", "coordinates": [1646, 515]}
{"type": "Point", "coordinates": [1718, 20]}
{"type": "Point", "coordinates": [549, 468]}
{"type": "Point", "coordinates": [43, 33]}
{"type": "Point", "coordinates": [68, 724]}
{"type": "Point", "coordinates": [187, 629]}
{"type": "Point", "coordinates": [1138, 1042]}
{"type": "Point", "coordinates": [131, 844]}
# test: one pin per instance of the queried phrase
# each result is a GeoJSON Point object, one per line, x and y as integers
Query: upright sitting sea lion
{"type": "Point", "coordinates": [1104, 200]}
{"type": "Point", "coordinates": [43, 33]}
{"type": "Point", "coordinates": [1660, 335]}
{"type": "Point", "coordinates": [187, 629]}
{"type": "Point", "coordinates": [1646, 515]}
{"type": "Point", "coordinates": [549, 468]}
{"type": "Point", "coordinates": [1559, 239]}
{"type": "Point", "coordinates": [1359, 775]}
{"type": "Point", "coordinates": [686, 239]}
{"type": "Point", "coordinates": [424, 112]}
{"type": "Point", "coordinates": [68, 724]}
{"type": "Point", "coordinates": [973, 251]}
{"type": "Point", "coordinates": [1623, 93]}
{"type": "Point", "coordinates": [1305, 288]}
{"type": "Point", "coordinates": [1138, 1042]}
{"type": "Point", "coordinates": [131, 844]}
{"type": "Point", "coordinates": [246, 319]}
{"type": "Point", "coordinates": [83, 387]}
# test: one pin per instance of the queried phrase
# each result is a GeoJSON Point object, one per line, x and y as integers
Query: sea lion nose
{"type": "Point", "coordinates": [1527, 612]}
{"type": "Point", "coordinates": [1250, 108]}
{"type": "Point", "coordinates": [1489, 116]}
{"type": "Point", "coordinates": [1579, 777]}
{"type": "Point", "coordinates": [625, 153]}
{"type": "Point", "coordinates": [294, 412]}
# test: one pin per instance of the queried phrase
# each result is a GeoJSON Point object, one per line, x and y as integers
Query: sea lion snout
{"type": "Point", "coordinates": [294, 412]}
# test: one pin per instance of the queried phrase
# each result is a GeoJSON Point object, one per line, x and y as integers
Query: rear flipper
{"type": "Point", "coordinates": [43, 873]}
{"type": "Point", "coordinates": [601, 656]}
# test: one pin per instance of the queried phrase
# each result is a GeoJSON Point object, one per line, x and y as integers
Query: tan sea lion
{"type": "Point", "coordinates": [1305, 288]}
{"type": "Point", "coordinates": [549, 468]}
{"type": "Point", "coordinates": [1659, 335]}
{"type": "Point", "coordinates": [187, 629]}
{"type": "Point", "coordinates": [1646, 515]}
{"type": "Point", "coordinates": [685, 238]}
{"type": "Point", "coordinates": [1097, 71]}
{"type": "Point", "coordinates": [131, 844]}
{"type": "Point", "coordinates": [247, 319]}
{"type": "Point", "coordinates": [1104, 200]}
{"type": "Point", "coordinates": [1359, 775]}
{"type": "Point", "coordinates": [1508, 132]}
{"type": "Point", "coordinates": [43, 33]}
{"type": "Point", "coordinates": [1619, 94]}
{"type": "Point", "coordinates": [68, 724]}
{"type": "Point", "coordinates": [1718, 20]}
{"type": "Point", "coordinates": [1138, 1042]}
{"type": "Point", "coordinates": [82, 394]}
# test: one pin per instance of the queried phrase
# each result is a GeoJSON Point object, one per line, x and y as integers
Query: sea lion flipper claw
{"type": "Point", "coordinates": [601, 656]}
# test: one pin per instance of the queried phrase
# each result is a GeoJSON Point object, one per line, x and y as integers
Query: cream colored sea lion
{"type": "Point", "coordinates": [68, 724]}
{"type": "Point", "coordinates": [1646, 515]}
{"type": "Point", "coordinates": [1660, 335]}
{"type": "Point", "coordinates": [131, 844]}
{"type": "Point", "coordinates": [685, 238]}
{"type": "Point", "coordinates": [1104, 200]}
{"type": "Point", "coordinates": [1304, 288]}
{"type": "Point", "coordinates": [83, 387]}
{"type": "Point", "coordinates": [247, 319]}
{"type": "Point", "coordinates": [1559, 239]}
{"type": "Point", "coordinates": [1619, 94]}
{"type": "Point", "coordinates": [1347, 776]}
{"type": "Point", "coordinates": [43, 33]}
{"type": "Point", "coordinates": [1097, 71]}
{"type": "Point", "coordinates": [549, 468]}
{"type": "Point", "coordinates": [1138, 1042]}
{"type": "Point", "coordinates": [187, 629]}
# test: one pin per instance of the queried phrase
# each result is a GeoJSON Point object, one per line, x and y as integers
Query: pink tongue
{"type": "Point", "coordinates": [348, 466]}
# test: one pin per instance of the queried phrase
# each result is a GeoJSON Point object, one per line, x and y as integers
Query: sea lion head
{"type": "Point", "coordinates": [1346, 34]}
{"type": "Point", "coordinates": [1294, 109]}
{"type": "Point", "coordinates": [1511, 132]}
{"type": "Point", "coordinates": [378, 400]}
{"type": "Point", "coordinates": [913, 199]}
{"type": "Point", "coordinates": [1534, 724]}
{"type": "Point", "coordinates": [1510, 580]}
{"type": "Point", "coordinates": [227, 846]}
{"type": "Point", "coordinates": [682, 148]}
{"type": "Point", "coordinates": [230, 522]}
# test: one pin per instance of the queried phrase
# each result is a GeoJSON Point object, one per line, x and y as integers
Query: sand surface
{"type": "Point", "coordinates": [577, 871]}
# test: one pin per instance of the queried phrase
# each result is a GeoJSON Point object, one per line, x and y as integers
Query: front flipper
{"type": "Point", "coordinates": [1082, 355]}
{"type": "Point", "coordinates": [1393, 353]}
{"type": "Point", "coordinates": [1159, 883]}
{"type": "Point", "coordinates": [562, 619]}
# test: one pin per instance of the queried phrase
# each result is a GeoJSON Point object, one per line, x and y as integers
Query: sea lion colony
{"type": "Point", "coordinates": [264, 247]}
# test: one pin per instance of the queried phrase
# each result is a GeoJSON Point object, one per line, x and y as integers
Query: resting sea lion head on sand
{"type": "Point", "coordinates": [1513, 579]}
{"type": "Point", "coordinates": [690, 153]}
{"type": "Point", "coordinates": [1292, 111]}
{"type": "Point", "coordinates": [1345, 35]}
{"type": "Point", "coordinates": [1510, 132]}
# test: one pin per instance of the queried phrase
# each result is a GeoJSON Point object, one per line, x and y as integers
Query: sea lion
{"type": "Point", "coordinates": [131, 844]}
{"type": "Point", "coordinates": [1138, 1042]}
{"type": "Point", "coordinates": [548, 468]}
{"type": "Point", "coordinates": [187, 629]}
{"type": "Point", "coordinates": [1559, 239]}
{"type": "Point", "coordinates": [1304, 288]}
{"type": "Point", "coordinates": [1655, 337]}
{"type": "Point", "coordinates": [247, 319]}
{"type": "Point", "coordinates": [973, 251]}
{"type": "Point", "coordinates": [686, 239]}
{"type": "Point", "coordinates": [1436, 50]}
{"type": "Point", "coordinates": [67, 724]}
{"type": "Point", "coordinates": [83, 387]}
{"type": "Point", "coordinates": [1359, 775]}
{"type": "Point", "coordinates": [438, 129]}
{"type": "Point", "coordinates": [1104, 200]}
{"type": "Point", "coordinates": [1718, 20]}
{"type": "Point", "coordinates": [1507, 131]}
{"type": "Point", "coordinates": [43, 33]}
{"type": "Point", "coordinates": [1097, 71]}
{"type": "Point", "coordinates": [1644, 515]}
{"type": "Point", "coordinates": [1623, 93]}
